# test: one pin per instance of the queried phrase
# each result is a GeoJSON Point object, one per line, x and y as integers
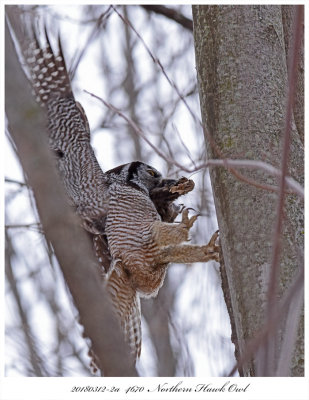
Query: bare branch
{"type": "Point", "coordinates": [96, 30]}
{"type": "Point", "coordinates": [171, 14]}
{"type": "Point", "coordinates": [261, 165]}
{"type": "Point", "coordinates": [194, 116]}
{"type": "Point", "coordinates": [34, 355]}
{"type": "Point", "coordinates": [136, 129]}
{"type": "Point", "coordinates": [8, 180]}
{"type": "Point", "coordinates": [226, 163]}
{"type": "Point", "coordinates": [25, 226]}
{"type": "Point", "coordinates": [158, 62]}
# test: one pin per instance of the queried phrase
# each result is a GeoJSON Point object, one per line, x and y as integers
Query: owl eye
{"type": "Point", "coordinates": [151, 172]}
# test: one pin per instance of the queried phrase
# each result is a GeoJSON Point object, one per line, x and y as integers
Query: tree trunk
{"type": "Point", "coordinates": [60, 224]}
{"type": "Point", "coordinates": [288, 13]}
{"type": "Point", "coordinates": [242, 74]}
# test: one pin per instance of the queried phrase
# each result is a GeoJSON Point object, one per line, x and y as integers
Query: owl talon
{"type": "Point", "coordinates": [188, 222]}
{"type": "Point", "coordinates": [213, 248]}
{"type": "Point", "coordinates": [213, 239]}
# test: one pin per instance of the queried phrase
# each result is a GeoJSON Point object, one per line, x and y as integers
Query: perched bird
{"type": "Point", "coordinates": [129, 211]}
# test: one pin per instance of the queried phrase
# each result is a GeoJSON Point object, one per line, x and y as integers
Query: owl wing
{"type": "Point", "coordinates": [126, 302]}
{"type": "Point", "coordinates": [68, 128]}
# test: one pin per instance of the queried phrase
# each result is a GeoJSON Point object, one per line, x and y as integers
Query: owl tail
{"type": "Point", "coordinates": [127, 306]}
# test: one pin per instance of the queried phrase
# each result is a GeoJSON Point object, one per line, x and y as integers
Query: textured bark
{"type": "Point", "coordinates": [157, 311]}
{"type": "Point", "coordinates": [61, 226]}
{"type": "Point", "coordinates": [242, 74]}
{"type": "Point", "coordinates": [288, 13]}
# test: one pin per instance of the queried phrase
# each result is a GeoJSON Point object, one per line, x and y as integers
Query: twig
{"type": "Point", "coordinates": [194, 116]}
{"type": "Point", "coordinates": [207, 133]}
{"type": "Point", "coordinates": [136, 129]}
{"type": "Point", "coordinates": [187, 151]}
{"type": "Point", "coordinates": [31, 347]}
{"type": "Point", "coordinates": [99, 21]}
{"type": "Point", "coordinates": [158, 62]}
{"type": "Point", "coordinates": [226, 163]}
{"type": "Point", "coordinates": [172, 14]}
{"type": "Point", "coordinates": [9, 180]}
{"type": "Point", "coordinates": [261, 165]}
{"type": "Point", "coordinates": [25, 226]}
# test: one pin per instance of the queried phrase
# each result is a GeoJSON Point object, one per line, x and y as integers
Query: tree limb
{"type": "Point", "coordinates": [61, 226]}
{"type": "Point", "coordinates": [171, 14]}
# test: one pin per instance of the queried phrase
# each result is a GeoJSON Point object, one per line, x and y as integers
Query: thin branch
{"type": "Point", "coordinates": [194, 116]}
{"type": "Point", "coordinates": [158, 62]}
{"type": "Point", "coordinates": [33, 351]}
{"type": "Point", "coordinates": [186, 150]}
{"type": "Point", "coordinates": [61, 16]}
{"type": "Point", "coordinates": [98, 25]}
{"type": "Point", "coordinates": [172, 14]}
{"type": "Point", "coordinates": [136, 129]}
{"type": "Point", "coordinates": [261, 165]}
{"type": "Point", "coordinates": [25, 226]}
{"type": "Point", "coordinates": [230, 164]}
{"type": "Point", "coordinates": [277, 236]}
{"type": "Point", "coordinates": [9, 180]}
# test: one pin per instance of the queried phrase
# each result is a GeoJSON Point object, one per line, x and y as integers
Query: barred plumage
{"type": "Point", "coordinates": [68, 128]}
{"type": "Point", "coordinates": [128, 211]}
{"type": "Point", "coordinates": [47, 70]}
{"type": "Point", "coordinates": [127, 305]}
{"type": "Point", "coordinates": [129, 228]}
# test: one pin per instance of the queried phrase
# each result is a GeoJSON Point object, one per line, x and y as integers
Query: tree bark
{"type": "Point", "coordinates": [61, 226]}
{"type": "Point", "coordinates": [242, 74]}
{"type": "Point", "coordinates": [157, 312]}
{"type": "Point", "coordinates": [288, 13]}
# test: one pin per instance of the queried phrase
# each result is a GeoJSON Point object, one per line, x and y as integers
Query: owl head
{"type": "Point", "coordinates": [137, 174]}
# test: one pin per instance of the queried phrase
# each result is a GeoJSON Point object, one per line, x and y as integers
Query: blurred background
{"type": "Point", "coordinates": [142, 63]}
